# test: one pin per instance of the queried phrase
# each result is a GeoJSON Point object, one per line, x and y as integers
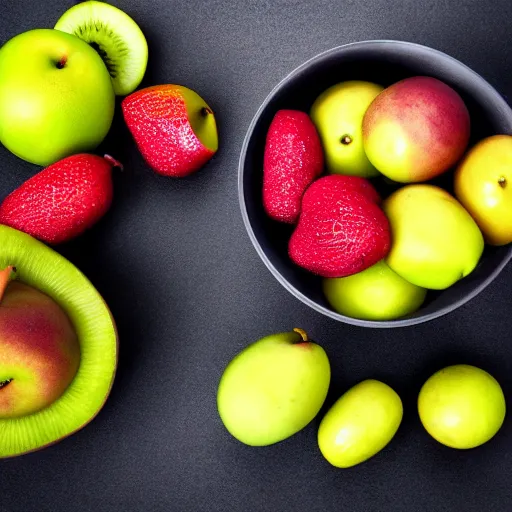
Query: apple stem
{"type": "Point", "coordinates": [346, 140]}
{"type": "Point", "coordinates": [502, 181]}
{"type": "Point", "coordinates": [5, 277]}
{"type": "Point", "coordinates": [206, 111]}
{"type": "Point", "coordinates": [113, 161]}
{"type": "Point", "coordinates": [302, 333]}
{"type": "Point", "coordinates": [61, 63]}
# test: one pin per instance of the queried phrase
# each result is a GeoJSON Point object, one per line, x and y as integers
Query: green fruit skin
{"type": "Point", "coordinates": [462, 406]}
{"type": "Point", "coordinates": [39, 351]}
{"type": "Point", "coordinates": [273, 389]}
{"type": "Point", "coordinates": [47, 113]}
{"type": "Point", "coordinates": [436, 242]}
{"type": "Point", "coordinates": [338, 112]}
{"type": "Point", "coordinates": [133, 60]}
{"type": "Point", "coordinates": [360, 424]}
{"type": "Point", "coordinates": [376, 293]}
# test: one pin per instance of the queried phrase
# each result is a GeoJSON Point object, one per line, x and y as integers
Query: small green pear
{"type": "Point", "coordinates": [436, 242]}
{"type": "Point", "coordinates": [360, 424]}
{"type": "Point", "coordinates": [376, 293]}
{"type": "Point", "coordinates": [273, 388]}
{"type": "Point", "coordinates": [338, 116]}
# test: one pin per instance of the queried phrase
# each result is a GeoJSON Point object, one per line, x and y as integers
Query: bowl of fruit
{"type": "Point", "coordinates": [375, 183]}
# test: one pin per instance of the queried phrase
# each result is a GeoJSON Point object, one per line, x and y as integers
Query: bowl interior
{"type": "Point", "coordinates": [383, 62]}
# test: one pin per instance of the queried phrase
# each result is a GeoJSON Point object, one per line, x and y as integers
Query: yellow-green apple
{"type": "Point", "coordinates": [416, 129]}
{"type": "Point", "coordinates": [273, 388]}
{"type": "Point", "coordinates": [462, 406]}
{"type": "Point", "coordinates": [436, 242]}
{"type": "Point", "coordinates": [376, 293]}
{"type": "Point", "coordinates": [56, 96]}
{"type": "Point", "coordinates": [338, 115]}
{"type": "Point", "coordinates": [360, 424]}
{"type": "Point", "coordinates": [39, 349]}
{"type": "Point", "coordinates": [483, 184]}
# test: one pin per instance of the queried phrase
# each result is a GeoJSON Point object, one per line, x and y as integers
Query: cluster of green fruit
{"type": "Point", "coordinates": [58, 340]}
{"type": "Point", "coordinates": [277, 385]}
{"type": "Point", "coordinates": [378, 258]}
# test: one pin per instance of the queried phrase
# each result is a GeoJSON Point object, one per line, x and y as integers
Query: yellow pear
{"type": "Point", "coordinates": [436, 242]}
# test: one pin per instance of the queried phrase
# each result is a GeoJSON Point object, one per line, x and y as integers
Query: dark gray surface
{"type": "Point", "coordinates": [188, 291]}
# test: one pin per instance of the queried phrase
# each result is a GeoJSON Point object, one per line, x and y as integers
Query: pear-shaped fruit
{"type": "Point", "coordinates": [377, 293]}
{"type": "Point", "coordinates": [416, 129]}
{"type": "Point", "coordinates": [58, 347]}
{"type": "Point", "coordinates": [462, 406]}
{"type": "Point", "coordinates": [39, 354]}
{"type": "Point", "coordinates": [360, 424]}
{"type": "Point", "coordinates": [483, 184]}
{"type": "Point", "coordinates": [273, 388]}
{"type": "Point", "coordinates": [338, 115]}
{"type": "Point", "coordinates": [436, 242]}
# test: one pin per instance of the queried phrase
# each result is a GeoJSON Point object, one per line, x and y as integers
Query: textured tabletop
{"type": "Point", "coordinates": [188, 290]}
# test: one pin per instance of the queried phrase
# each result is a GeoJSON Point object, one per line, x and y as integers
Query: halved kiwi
{"type": "Point", "coordinates": [44, 269]}
{"type": "Point", "coordinates": [115, 36]}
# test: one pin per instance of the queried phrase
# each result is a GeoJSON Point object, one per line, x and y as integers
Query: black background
{"type": "Point", "coordinates": [188, 291]}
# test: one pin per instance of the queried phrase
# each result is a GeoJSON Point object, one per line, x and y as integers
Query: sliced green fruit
{"type": "Point", "coordinates": [115, 36]}
{"type": "Point", "coordinates": [201, 118]}
{"type": "Point", "coordinates": [44, 269]}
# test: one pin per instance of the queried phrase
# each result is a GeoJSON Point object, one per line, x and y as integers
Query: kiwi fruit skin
{"type": "Point", "coordinates": [115, 36]}
{"type": "Point", "coordinates": [41, 267]}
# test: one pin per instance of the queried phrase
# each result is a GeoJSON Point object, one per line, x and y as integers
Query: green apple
{"type": "Point", "coordinates": [436, 242]}
{"type": "Point", "coordinates": [338, 116]}
{"type": "Point", "coordinates": [273, 388]}
{"type": "Point", "coordinates": [462, 406]}
{"type": "Point", "coordinates": [360, 424]}
{"type": "Point", "coordinates": [376, 293]}
{"type": "Point", "coordinates": [56, 96]}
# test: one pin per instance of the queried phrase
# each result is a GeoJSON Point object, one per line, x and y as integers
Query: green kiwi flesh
{"type": "Point", "coordinates": [115, 36]}
{"type": "Point", "coordinates": [44, 269]}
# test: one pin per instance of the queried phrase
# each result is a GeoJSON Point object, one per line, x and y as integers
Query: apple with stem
{"type": "Point", "coordinates": [56, 96]}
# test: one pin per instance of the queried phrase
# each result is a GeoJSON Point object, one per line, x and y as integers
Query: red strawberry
{"type": "Point", "coordinates": [173, 128]}
{"type": "Point", "coordinates": [293, 159]}
{"type": "Point", "coordinates": [63, 200]}
{"type": "Point", "coordinates": [341, 229]}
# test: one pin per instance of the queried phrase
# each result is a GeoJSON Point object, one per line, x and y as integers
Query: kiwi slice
{"type": "Point", "coordinates": [115, 36]}
{"type": "Point", "coordinates": [44, 269]}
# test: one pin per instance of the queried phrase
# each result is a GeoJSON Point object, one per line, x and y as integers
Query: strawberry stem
{"type": "Point", "coordinates": [5, 277]}
{"type": "Point", "coordinates": [113, 161]}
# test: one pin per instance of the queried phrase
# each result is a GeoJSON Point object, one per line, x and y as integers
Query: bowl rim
{"type": "Point", "coordinates": [400, 322]}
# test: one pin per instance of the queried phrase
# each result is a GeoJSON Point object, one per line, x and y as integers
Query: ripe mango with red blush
{"type": "Point", "coordinates": [416, 129]}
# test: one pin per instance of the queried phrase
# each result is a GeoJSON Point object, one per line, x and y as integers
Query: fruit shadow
{"type": "Point", "coordinates": [119, 286]}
